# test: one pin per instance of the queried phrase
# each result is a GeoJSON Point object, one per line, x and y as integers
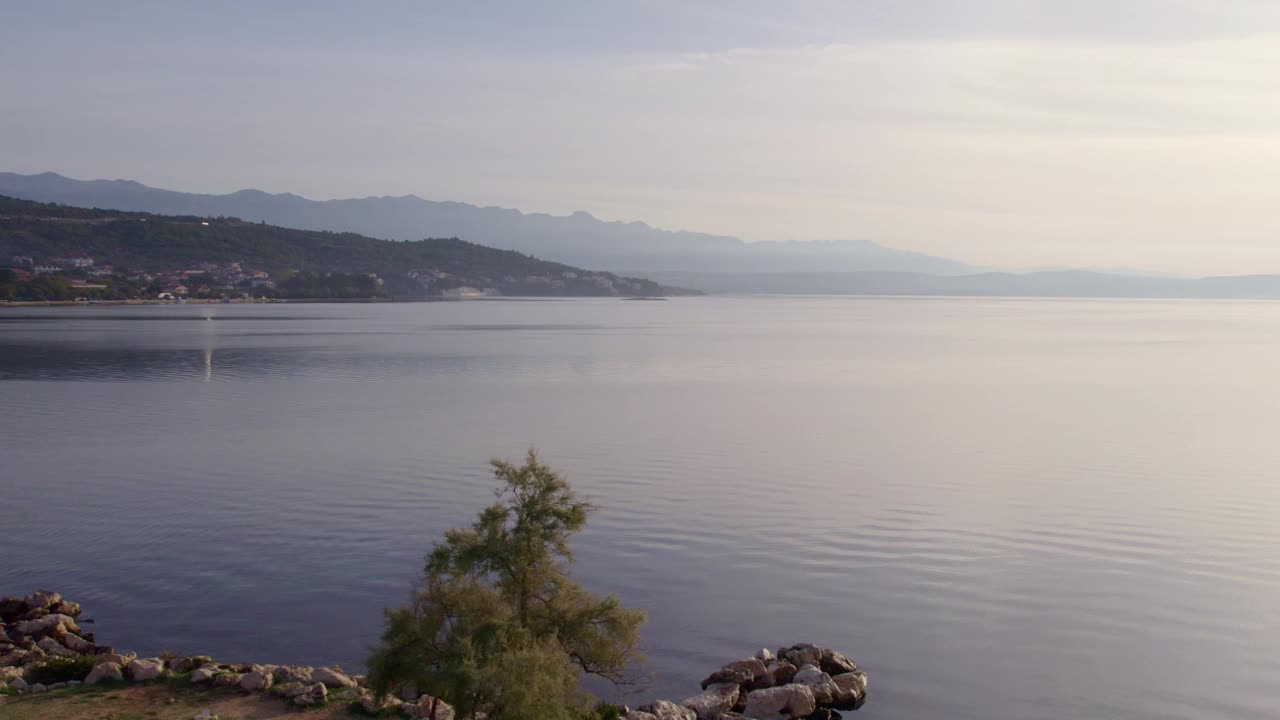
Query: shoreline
{"type": "Point", "coordinates": [46, 657]}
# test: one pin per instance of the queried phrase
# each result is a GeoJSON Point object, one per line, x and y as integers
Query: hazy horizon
{"type": "Point", "coordinates": [1004, 134]}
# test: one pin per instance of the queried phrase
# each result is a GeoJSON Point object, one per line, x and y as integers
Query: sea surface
{"type": "Point", "coordinates": [1002, 509]}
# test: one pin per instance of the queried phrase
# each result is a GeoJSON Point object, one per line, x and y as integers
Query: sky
{"type": "Point", "coordinates": [1006, 133]}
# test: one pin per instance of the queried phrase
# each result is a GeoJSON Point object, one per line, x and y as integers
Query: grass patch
{"type": "Point", "coordinates": [61, 669]}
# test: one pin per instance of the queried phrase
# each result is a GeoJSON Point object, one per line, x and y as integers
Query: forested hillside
{"type": "Point", "coordinates": [144, 243]}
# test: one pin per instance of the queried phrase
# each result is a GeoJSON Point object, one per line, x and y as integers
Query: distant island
{"type": "Point", "coordinates": [58, 252]}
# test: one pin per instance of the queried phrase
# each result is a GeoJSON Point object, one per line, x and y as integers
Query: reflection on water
{"type": "Point", "coordinates": [1004, 509]}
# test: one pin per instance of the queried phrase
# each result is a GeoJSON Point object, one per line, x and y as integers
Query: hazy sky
{"type": "Point", "coordinates": [1011, 133]}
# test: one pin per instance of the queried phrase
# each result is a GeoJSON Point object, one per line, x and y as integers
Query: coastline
{"type": "Point", "coordinates": [48, 661]}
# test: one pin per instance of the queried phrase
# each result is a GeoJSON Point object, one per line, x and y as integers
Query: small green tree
{"type": "Point", "coordinates": [498, 625]}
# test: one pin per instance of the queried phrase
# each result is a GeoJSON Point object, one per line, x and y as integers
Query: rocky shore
{"type": "Point", "coordinates": [44, 648]}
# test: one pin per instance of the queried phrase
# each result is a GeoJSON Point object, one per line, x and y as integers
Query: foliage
{"type": "Point", "coordinates": [61, 669]}
{"type": "Point", "coordinates": [498, 625]}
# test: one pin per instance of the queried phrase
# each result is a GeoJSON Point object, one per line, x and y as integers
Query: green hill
{"type": "Point", "coordinates": [142, 246]}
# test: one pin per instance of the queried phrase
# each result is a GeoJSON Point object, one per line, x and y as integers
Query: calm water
{"type": "Point", "coordinates": [1003, 509]}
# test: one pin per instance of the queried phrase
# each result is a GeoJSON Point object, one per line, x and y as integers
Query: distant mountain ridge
{"type": "Point", "coordinates": [578, 239]}
{"type": "Point", "coordinates": [1046, 284]}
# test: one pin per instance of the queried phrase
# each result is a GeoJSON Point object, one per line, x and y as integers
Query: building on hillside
{"type": "Point", "coordinates": [46, 269]}
{"type": "Point", "coordinates": [74, 261]}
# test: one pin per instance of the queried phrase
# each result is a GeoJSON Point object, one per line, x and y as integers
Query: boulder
{"type": "Point", "coordinates": [4, 636]}
{"type": "Point", "coordinates": [639, 715]}
{"type": "Point", "coordinates": [41, 599]}
{"type": "Point", "coordinates": [56, 625]}
{"type": "Point", "coordinates": [107, 671]}
{"type": "Point", "coordinates": [204, 673]}
{"type": "Point", "coordinates": [824, 690]}
{"type": "Point", "coordinates": [426, 705]}
{"type": "Point", "coordinates": [180, 664]}
{"type": "Point", "coordinates": [66, 607]}
{"type": "Point", "coordinates": [14, 658]}
{"type": "Point", "coordinates": [294, 674]}
{"type": "Point", "coordinates": [373, 706]}
{"type": "Point", "coordinates": [78, 644]}
{"type": "Point", "coordinates": [667, 710]}
{"type": "Point", "coordinates": [256, 680]}
{"type": "Point", "coordinates": [764, 655]}
{"type": "Point", "coordinates": [802, 654]}
{"type": "Point", "coordinates": [139, 670]}
{"type": "Point", "coordinates": [781, 671]}
{"type": "Point", "coordinates": [834, 663]}
{"type": "Point", "coordinates": [780, 703]}
{"type": "Point", "coordinates": [114, 657]}
{"type": "Point", "coordinates": [11, 608]}
{"type": "Point", "coordinates": [289, 690]}
{"type": "Point", "coordinates": [53, 647]}
{"type": "Point", "coordinates": [19, 684]}
{"type": "Point", "coordinates": [227, 679]}
{"type": "Point", "coordinates": [851, 689]}
{"type": "Point", "coordinates": [749, 674]}
{"type": "Point", "coordinates": [714, 702]}
{"type": "Point", "coordinates": [38, 688]}
{"type": "Point", "coordinates": [34, 655]}
{"type": "Point", "coordinates": [314, 695]}
{"type": "Point", "coordinates": [332, 677]}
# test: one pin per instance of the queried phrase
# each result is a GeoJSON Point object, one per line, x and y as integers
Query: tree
{"type": "Point", "coordinates": [498, 625]}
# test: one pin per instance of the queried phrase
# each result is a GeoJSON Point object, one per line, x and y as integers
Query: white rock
{"type": "Point", "coordinates": [204, 673]}
{"type": "Point", "coordinates": [288, 690]}
{"type": "Point", "coordinates": [315, 695]}
{"type": "Point", "coordinates": [667, 710]}
{"type": "Point", "coordinates": [104, 671]}
{"type": "Point", "coordinates": [148, 669]}
{"type": "Point", "coordinates": [423, 708]}
{"type": "Point", "coordinates": [765, 655]}
{"type": "Point", "coordinates": [824, 690]}
{"type": "Point", "coordinates": [851, 689]}
{"type": "Point", "coordinates": [52, 624]}
{"type": "Point", "coordinates": [294, 673]}
{"type": "Point", "coordinates": [14, 658]}
{"type": "Point", "coordinates": [332, 677]}
{"type": "Point", "coordinates": [78, 644]}
{"type": "Point", "coordinates": [716, 700]}
{"type": "Point", "coordinates": [116, 658]}
{"type": "Point", "coordinates": [257, 679]}
{"type": "Point", "coordinates": [53, 647]}
{"type": "Point", "coordinates": [41, 599]}
{"type": "Point", "coordinates": [780, 703]}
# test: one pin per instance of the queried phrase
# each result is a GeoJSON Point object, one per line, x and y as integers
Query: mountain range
{"type": "Point", "coordinates": [578, 239]}
{"type": "Point", "coordinates": [706, 262]}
